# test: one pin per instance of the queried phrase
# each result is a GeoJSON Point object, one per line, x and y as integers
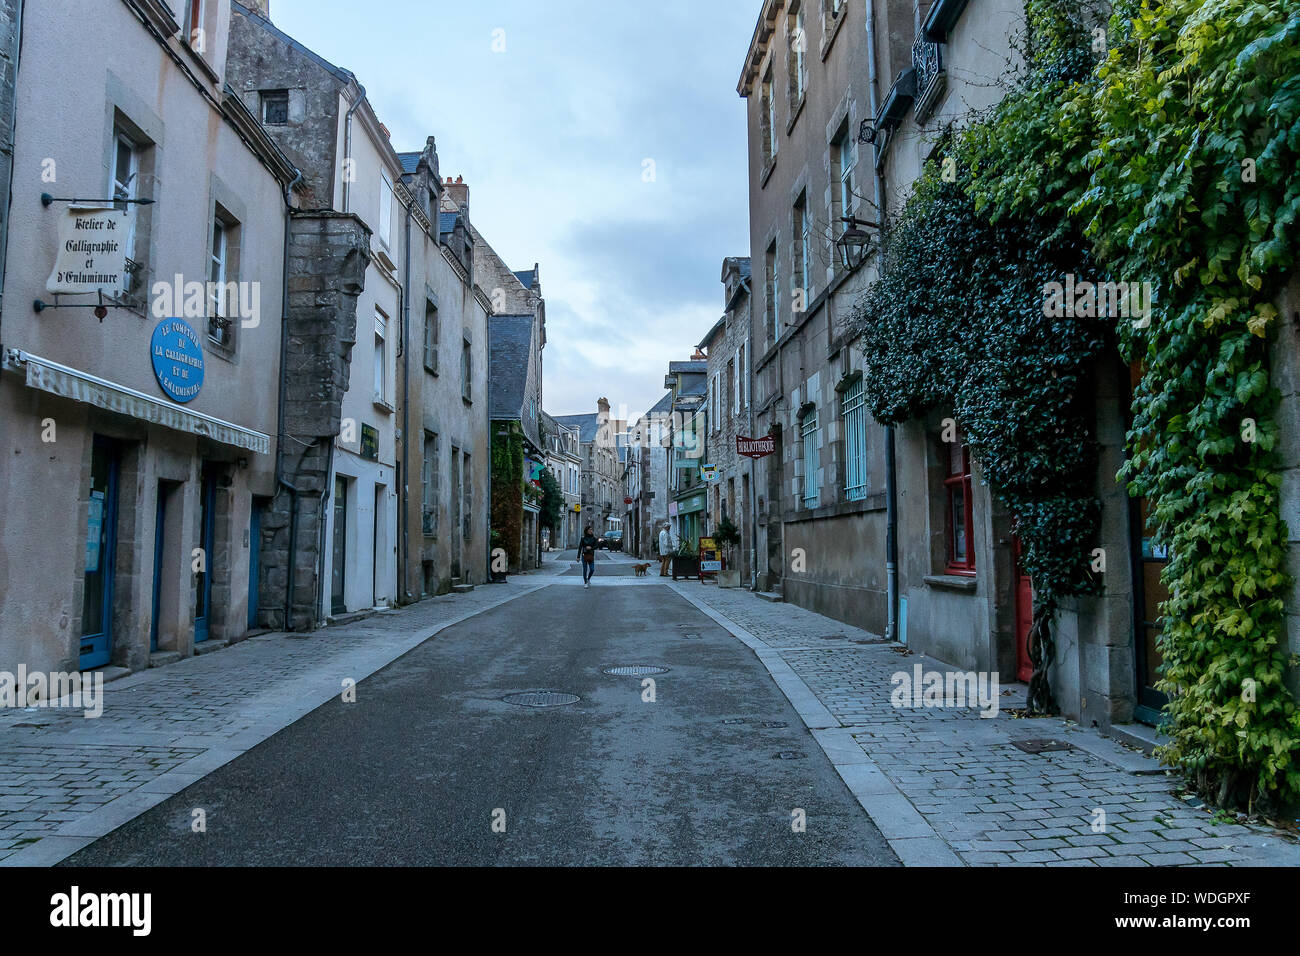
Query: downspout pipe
{"type": "Point", "coordinates": [347, 148]}
{"type": "Point", "coordinates": [280, 479]}
{"type": "Point", "coordinates": [404, 478]}
{"type": "Point", "coordinates": [753, 462]}
{"type": "Point", "coordinates": [891, 463]}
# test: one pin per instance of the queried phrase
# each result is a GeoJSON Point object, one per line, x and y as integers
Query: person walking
{"type": "Point", "coordinates": [587, 552]}
{"type": "Point", "coordinates": [666, 549]}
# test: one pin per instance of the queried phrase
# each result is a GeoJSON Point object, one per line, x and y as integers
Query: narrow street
{"type": "Point", "coordinates": [710, 772]}
{"type": "Point", "coordinates": [764, 709]}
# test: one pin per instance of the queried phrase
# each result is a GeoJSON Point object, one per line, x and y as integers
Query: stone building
{"type": "Point", "coordinates": [140, 443]}
{"type": "Point", "coordinates": [728, 346]}
{"type": "Point", "coordinates": [842, 113]}
{"type": "Point", "coordinates": [648, 475]}
{"type": "Point", "coordinates": [687, 383]}
{"type": "Point", "coordinates": [443, 381]}
{"type": "Point", "coordinates": [602, 468]}
{"type": "Point", "coordinates": [563, 457]}
{"type": "Point", "coordinates": [320, 115]}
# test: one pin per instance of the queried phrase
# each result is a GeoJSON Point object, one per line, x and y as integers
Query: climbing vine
{"type": "Point", "coordinates": [956, 321]}
{"type": "Point", "coordinates": [1156, 147]}
{"type": "Point", "coordinates": [507, 487]}
{"type": "Point", "coordinates": [1192, 180]}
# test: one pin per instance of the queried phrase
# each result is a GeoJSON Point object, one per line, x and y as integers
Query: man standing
{"type": "Point", "coordinates": [666, 549]}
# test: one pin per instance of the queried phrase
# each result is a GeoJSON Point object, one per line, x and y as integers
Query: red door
{"type": "Point", "coordinates": [1024, 615]}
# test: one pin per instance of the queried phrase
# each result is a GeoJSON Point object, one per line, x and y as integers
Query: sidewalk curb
{"type": "Point", "coordinates": [78, 834]}
{"type": "Point", "coordinates": [904, 828]}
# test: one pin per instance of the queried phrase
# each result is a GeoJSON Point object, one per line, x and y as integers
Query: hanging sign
{"type": "Point", "coordinates": [177, 359]}
{"type": "Point", "coordinates": [755, 447]}
{"type": "Point", "coordinates": [91, 254]}
{"type": "Point", "coordinates": [709, 472]}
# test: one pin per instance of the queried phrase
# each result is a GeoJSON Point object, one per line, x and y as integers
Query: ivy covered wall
{"type": "Point", "coordinates": [1156, 149]}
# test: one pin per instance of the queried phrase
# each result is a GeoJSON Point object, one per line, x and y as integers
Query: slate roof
{"type": "Point", "coordinates": [664, 404]}
{"type": "Point", "coordinates": [510, 340]}
{"type": "Point", "coordinates": [587, 425]}
{"type": "Point", "coordinates": [527, 277]}
{"type": "Point", "coordinates": [410, 161]}
{"type": "Point", "coordinates": [446, 222]}
{"type": "Point", "coordinates": [674, 367]}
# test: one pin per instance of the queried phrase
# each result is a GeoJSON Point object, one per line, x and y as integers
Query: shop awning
{"type": "Point", "coordinates": [80, 386]}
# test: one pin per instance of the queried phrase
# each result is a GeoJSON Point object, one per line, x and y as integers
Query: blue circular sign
{"type": "Point", "coordinates": [177, 359]}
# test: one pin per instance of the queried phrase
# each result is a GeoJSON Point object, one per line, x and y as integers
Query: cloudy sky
{"type": "Point", "coordinates": [553, 136]}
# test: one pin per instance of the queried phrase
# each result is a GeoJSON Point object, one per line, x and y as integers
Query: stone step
{"type": "Point", "coordinates": [462, 588]}
{"type": "Point", "coordinates": [774, 596]}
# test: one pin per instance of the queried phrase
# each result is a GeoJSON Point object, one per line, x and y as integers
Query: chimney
{"type": "Point", "coordinates": [458, 191]}
{"type": "Point", "coordinates": [261, 7]}
{"type": "Point", "coordinates": [603, 405]}
{"type": "Point", "coordinates": [699, 356]}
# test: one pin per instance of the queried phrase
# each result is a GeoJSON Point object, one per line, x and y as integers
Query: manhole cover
{"type": "Point", "coordinates": [789, 755]}
{"type": "Point", "coordinates": [1038, 745]}
{"type": "Point", "coordinates": [774, 723]}
{"type": "Point", "coordinates": [635, 670]}
{"type": "Point", "coordinates": [541, 698]}
{"type": "Point", "coordinates": [734, 720]}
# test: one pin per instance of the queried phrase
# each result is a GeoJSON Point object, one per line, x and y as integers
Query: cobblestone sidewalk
{"type": "Point", "coordinates": [948, 787]}
{"type": "Point", "coordinates": [66, 780]}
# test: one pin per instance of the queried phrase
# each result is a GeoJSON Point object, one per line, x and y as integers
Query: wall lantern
{"type": "Point", "coordinates": [855, 242]}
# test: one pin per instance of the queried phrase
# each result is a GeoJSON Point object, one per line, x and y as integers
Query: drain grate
{"type": "Point", "coordinates": [774, 723]}
{"type": "Point", "coordinates": [1038, 745]}
{"type": "Point", "coordinates": [541, 698]}
{"type": "Point", "coordinates": [636, 670]}
{"type": "Point", "coordinates": [735, 720]}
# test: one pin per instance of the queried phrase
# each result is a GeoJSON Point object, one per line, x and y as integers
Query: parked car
{"type": "Point", "coordinates": [613, 541]}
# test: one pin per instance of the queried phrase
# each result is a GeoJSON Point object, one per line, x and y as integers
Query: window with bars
{"type": "Point", "coordinates": [957, 494]}
{"type": "Point", "coordinates": [855, 443]}
{"type": "Point", "coordinates": [429, 482]}
{"type": "Point", "coordinates": [811, 459]}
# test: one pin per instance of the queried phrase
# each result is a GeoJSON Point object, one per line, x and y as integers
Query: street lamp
{"type": "Point", "coordinates": [853, 244]}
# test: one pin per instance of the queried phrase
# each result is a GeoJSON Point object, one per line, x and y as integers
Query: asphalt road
{"type": "Point", "coordinates": [417, 769]}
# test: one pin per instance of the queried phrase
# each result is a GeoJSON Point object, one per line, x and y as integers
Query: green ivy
{"type": "Point", "coordinates": [1187, 93]}
{"type": "Point", "coordinates": [1125, 163]}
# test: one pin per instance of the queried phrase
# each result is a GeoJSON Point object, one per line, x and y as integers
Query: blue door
{"type": "Point", "coordinates": [254, 560]}
{"type": "Point", "coordinates": [100, 543]}
{"type": "Point", "coordinates": [159, 536]}
{"type": "Point", "coordinates": [203, 585]}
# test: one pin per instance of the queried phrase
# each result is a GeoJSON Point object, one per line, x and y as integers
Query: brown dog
{"type": "Point", "coordinates": [641, 569]}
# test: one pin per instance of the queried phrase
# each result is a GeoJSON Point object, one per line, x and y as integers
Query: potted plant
{"type": "Point", "coordinates": [728, 536]}
{"type": "Point", "coordinates": [686, 560]}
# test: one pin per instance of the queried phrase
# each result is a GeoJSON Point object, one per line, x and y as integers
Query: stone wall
{"type": "Point", "coordinates": [328, 256]}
